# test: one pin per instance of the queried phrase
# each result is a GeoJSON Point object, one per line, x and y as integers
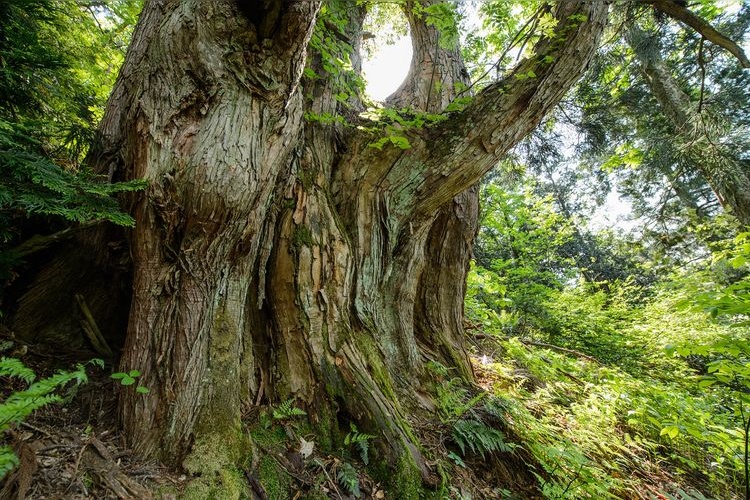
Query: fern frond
{"type": "Point", "coordinates": [16, 408]}
{"type": "Point", "coordinates": [12, 367]}
{"type": "Point", "coordinates": [21, 404]}
{"type": "Point", "coordinates": [479, 438]}
{"type": "Point", "coordinates": [287, 410]}
{"type": "Point", "coordinates": [360, 440]}
{"type": "Point", "coordinates": [348, 479]}
{"type": "Point", "coordinates": [8, 460]}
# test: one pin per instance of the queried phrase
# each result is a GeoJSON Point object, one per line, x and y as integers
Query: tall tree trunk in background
{"type": "Point", "coordinates": [277, 257]}
{"type": "Point", "coordinates": [697, 131]}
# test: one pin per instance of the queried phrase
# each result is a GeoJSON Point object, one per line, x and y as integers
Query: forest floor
{"type": "Point", "coordinates": [75, 451]}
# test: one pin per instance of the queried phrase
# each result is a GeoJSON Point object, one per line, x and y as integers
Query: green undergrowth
{"type": "Point", "coordinates": [17, 405]}
{"type": "Point", "coordinates": [619, 400]}
{"type": "Point", "coordinates": [636, 384]}
{"type": "Point", "coordinates": [290, 459]}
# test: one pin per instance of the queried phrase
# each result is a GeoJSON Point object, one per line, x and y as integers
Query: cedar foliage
{"type": "Point", "coordinates": [58, 64]}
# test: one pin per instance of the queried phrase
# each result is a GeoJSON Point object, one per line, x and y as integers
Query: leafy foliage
{"type": "Point", "coordinates": [33, 185]}
{"type": "Point", "coordinates": [592, 388]}
{"type": "Point", "coordinates": [59, 63]}
{"type": "Point", "coordinates": [444, 17]}
{"type": "Point", "coordinates": [725, 362]}
{"type": "Point", "coordinates": [287, 410]}
{"type": "Point", "coordinates": [594, 422]}
{"type": "Point", "coordinates": [40, 393]}
{"type": "Point", "coordinates": [360, 440]}
{"type": "Point", "coordinates": [518, 259]}
{"type": "Point", "coordinates": [130, 378]}
{"type": "Point", "coordinates": [347, 477]}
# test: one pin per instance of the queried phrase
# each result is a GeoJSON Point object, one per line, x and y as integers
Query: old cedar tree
{"type": "Point", "coordinates": [277, 257]}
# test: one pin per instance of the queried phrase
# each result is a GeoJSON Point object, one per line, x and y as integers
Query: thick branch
{"type": "Point", "coordinates": [456, 154]}
{"type": "Point", "coordinates": [684, 15]}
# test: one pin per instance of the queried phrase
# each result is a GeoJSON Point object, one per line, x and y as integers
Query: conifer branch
{"type": "Point", "coordinates": [681, 13]}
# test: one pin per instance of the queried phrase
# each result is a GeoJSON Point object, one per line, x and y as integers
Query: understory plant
{"type": "Point", "coordinates": [631, 386]}
{"type": "Point", "coordinates": [17, 406]}
{"type": "Point", "coordinates": [723, 365]}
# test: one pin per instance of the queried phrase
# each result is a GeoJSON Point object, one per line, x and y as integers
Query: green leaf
{"type": "Point", "coordinates": [456, 459]}
{"type": "Point", "coordinates": [672, 431]}
{"type": "Point", "coordinates": [399, 141]}
{"type": "Point", "coordinates": [8, 460]}
{"type": "Point", "coordinates": [706, 382]}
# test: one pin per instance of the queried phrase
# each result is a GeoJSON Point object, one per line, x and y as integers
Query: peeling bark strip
{"type": "Point", "coordinates": [276, 258]}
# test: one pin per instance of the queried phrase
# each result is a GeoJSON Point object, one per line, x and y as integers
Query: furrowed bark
{"type": "Point", "coordinates": [197, 247]}
{"type": "Point", "coordinates": [209, 113]}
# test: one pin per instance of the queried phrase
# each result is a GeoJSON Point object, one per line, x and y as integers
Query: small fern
{"type": "Point", "coordinates": [479, 438]}
{"type": "Point", "coordinates": [287, 410]}
{"type": "Point", "coordinates": [360, 440]}
{"type": "Point", "coordinates": [8, 460]}
{"type": "Point", "coordinates": [348, 479]}
{"type": "Point", "coordinates": [21, 404]}
{"type": "Point", "coordinates": [12, 367]}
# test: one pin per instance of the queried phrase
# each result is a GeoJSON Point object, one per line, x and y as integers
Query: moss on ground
{"type": "Point", "coordinates": [274, 479]}
{"type": "Point", "coordinates": [402, 481]}
{"type": "Point", "coordinates": [213, 461]}
{"type": "Point", "coordinates": [226, 484]}
{"type": "Point", "coordinates": [406, 483]}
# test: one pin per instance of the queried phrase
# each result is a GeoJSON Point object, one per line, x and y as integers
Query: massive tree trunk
{"type": "Point", "coordinates": [277, 257]}
{"type": "Point", "coordinates": [695, 130]}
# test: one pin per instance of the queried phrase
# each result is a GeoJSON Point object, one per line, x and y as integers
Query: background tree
{"type": "Point", "coordinates": [58, 64]}
{"type": "Point", "coordinates": [673, 139]}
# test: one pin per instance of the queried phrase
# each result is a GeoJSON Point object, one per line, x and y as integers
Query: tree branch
{"type": "Point", "coordinates": [446, 159]}
{"type": "Point", "coordinates": [684, 15]}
